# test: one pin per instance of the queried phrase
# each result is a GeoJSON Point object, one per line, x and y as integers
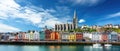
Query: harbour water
{"type": "Point", "coordinates": [56, 48]}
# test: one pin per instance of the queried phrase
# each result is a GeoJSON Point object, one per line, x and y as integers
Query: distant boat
{"type": "Point", "coordinates": [108, 45]}
{"type": "Point", "coordinates": [97, 45]}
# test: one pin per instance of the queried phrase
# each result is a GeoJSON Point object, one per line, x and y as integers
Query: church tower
{"type": "Point", "coordinates": [75, 20]}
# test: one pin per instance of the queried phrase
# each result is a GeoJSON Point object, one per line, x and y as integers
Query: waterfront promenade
{"type": "Point", "coordinates": [53, 43]}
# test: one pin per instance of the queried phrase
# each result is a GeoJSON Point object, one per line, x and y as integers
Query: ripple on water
{"type": "Point", "coordinates": [56, 48]}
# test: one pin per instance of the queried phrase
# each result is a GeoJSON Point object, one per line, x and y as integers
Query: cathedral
{"type": "Point", "coordinates": [67, 27]}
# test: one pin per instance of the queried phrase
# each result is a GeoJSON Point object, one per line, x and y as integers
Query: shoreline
{"type": "Point", "coordinates": [52, 43]}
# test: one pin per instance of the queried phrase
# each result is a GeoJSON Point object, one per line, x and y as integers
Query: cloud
{"type": "Point", "coordinates": [83, 2]}
{"type": "Point", "coordinates": [109, 16]}
{"type": "Point", "coordinates": [28, 14]}
{"type": "Point", "coordinates": [114, 15]}
{"type": "Point", "coordinates": [7, 28]}
{"type": "Point", "coordinates": [81, 20]}
{"type": "Point", "coordinates": [108, 22]}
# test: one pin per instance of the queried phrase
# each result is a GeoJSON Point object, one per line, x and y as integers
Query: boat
{"type": "Point", "coordinates": [97, 45]}
{"type": "Point", "coordinates": [108, 45]}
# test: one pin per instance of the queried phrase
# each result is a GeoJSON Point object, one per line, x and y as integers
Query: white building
{"type": "Point", "coordinates": [84, 26]}
{"type": "Point", "coordinates": [87, 35]}
{"type": "Point", "coordinates": [96, 36]}
{"type": "Point", "coordinates": [116, 26]}
{"type": "Point", "coordinates": [36, 35]}
{"type": "Point", "coordinates": [27, 35]}
{"type": "Point", "coordinates": [108, 26]}
{"type": "Point", "coordinates": [65, 36]}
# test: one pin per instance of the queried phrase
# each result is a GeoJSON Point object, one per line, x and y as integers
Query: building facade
{"type": "Point", "coordinates": [67, 27]}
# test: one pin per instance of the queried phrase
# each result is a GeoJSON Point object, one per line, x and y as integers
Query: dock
{"type": "Point", "coordinates": [53, 43]}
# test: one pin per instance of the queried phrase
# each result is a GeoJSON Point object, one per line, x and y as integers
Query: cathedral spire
{"type": "Point", "coordinates": [75, 15]}
{"type": "Point", "coordinates": [67, 21]}
{"type": "Point", "coordinates": [75, 22]}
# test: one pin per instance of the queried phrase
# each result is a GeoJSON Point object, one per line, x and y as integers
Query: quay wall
{"type": "Point", "coordinates": [53, 43]}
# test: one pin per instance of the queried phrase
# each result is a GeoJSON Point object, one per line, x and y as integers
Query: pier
{"type": "Point", "coordinates": [53, 43]}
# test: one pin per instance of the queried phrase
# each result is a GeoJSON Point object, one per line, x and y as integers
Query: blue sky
{"type": "Point", "coordinates": [24, 15]}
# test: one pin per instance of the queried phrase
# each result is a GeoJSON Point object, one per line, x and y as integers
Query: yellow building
{"type": "Point", "coordinates": [31, 35]}
{"type": "Point", "coordinates": [72, 37]}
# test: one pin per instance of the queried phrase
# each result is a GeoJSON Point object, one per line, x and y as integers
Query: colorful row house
{"type": "Point", "coordinates": [79, 36]}
{"type": "Point", "coordinates": [36, 36]}
{"type": "Point", "coordinates": [47, 34]}
{"type": "Point", "coordinates": [105, 37]}
{"type": "Point", "coordinates": [12, 36]}
{"type": "Point", "coordinates": [55, 36]}
{"type": "Point", "coordinates": [0, 36]}
{"type": "Point", "coordinates": [119, 37]}
{"type": "Point", "coordinates": [72, 37]}
{"type": "Point", "coordinates": [87, 36]}
{"type": "Point", "coordinates": [96, 37]}
{"type": "Point", "coordinates": [27, 36]}
{"type": "Point", "coordinates": [61, 36]}
{"type": "Point", "coordinates": [31, 35]}
{"type": "Point", "coordinates": [16, 37]}
{"type": "Point", "coordinates": [20, 36]}
{"type": "Point", "coordinates": [114, 36]}
{"type": "Point", "coordinates": [5, 37]}
{"type": "Point", "coordinates": [42, 35]}
{"type": "Point", "coordinates": [23, 36]}
{"type": "Point", "coordinates": [65, 36]}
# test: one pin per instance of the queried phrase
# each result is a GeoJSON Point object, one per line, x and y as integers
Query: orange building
{"type": "Point", "coordinates": [55, 36]}
{"type": "Point", "coordinates": [52, 36]}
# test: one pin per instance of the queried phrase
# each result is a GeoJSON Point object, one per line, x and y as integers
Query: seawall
{"type": "Point", "coordinates": [53, 43]}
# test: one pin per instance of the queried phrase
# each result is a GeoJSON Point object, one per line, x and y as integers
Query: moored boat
{"type": "Point", "coordinates": [108, 45]}
{"type": "Point", "coordinates": [97, 45]}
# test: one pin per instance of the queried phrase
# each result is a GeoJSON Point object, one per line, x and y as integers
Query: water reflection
{"type": "Point", "coordinates": [31, 48]}
{"type": "Point", "coordinates": [56, 48]}
{"type": "Point", "coordinates": [107, 48]}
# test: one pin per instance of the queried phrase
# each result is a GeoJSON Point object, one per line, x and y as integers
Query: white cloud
{"type": "Point", "coordinates": [108, 22]}
{"type": "Point", "coordinates": [10, 9]}
{"type": "Point", "coordinates": [114, 15]}
{"type": "Point", "coordinates": [7, 28]}
{"type": "Point", "coordinates": [81, 20]}
{"type": "Point", "coordinates": [109, 16]}
{"type": "Point", "coordinates": [83, 2]}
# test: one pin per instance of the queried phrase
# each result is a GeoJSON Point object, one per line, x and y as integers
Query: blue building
{"type": "Point", "coordinates": [42, 35]}
{"type": "Point", "coordinates": [114, 36]}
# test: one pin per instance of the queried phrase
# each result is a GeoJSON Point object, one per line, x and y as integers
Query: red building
{"type": "Point", "coordinates": [104, 37]}
{"type": "Point", "coordinates": [23, 35]}
{"type": "Point", "coordinates": [47, 34]}
{"type": "Point", "coordinates": [16, 38]}
{"type": "Point", "coordinates": [79, 36]}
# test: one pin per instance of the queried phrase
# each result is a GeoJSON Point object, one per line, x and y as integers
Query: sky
{"type": "Point", "coordinates": [24, 15]}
